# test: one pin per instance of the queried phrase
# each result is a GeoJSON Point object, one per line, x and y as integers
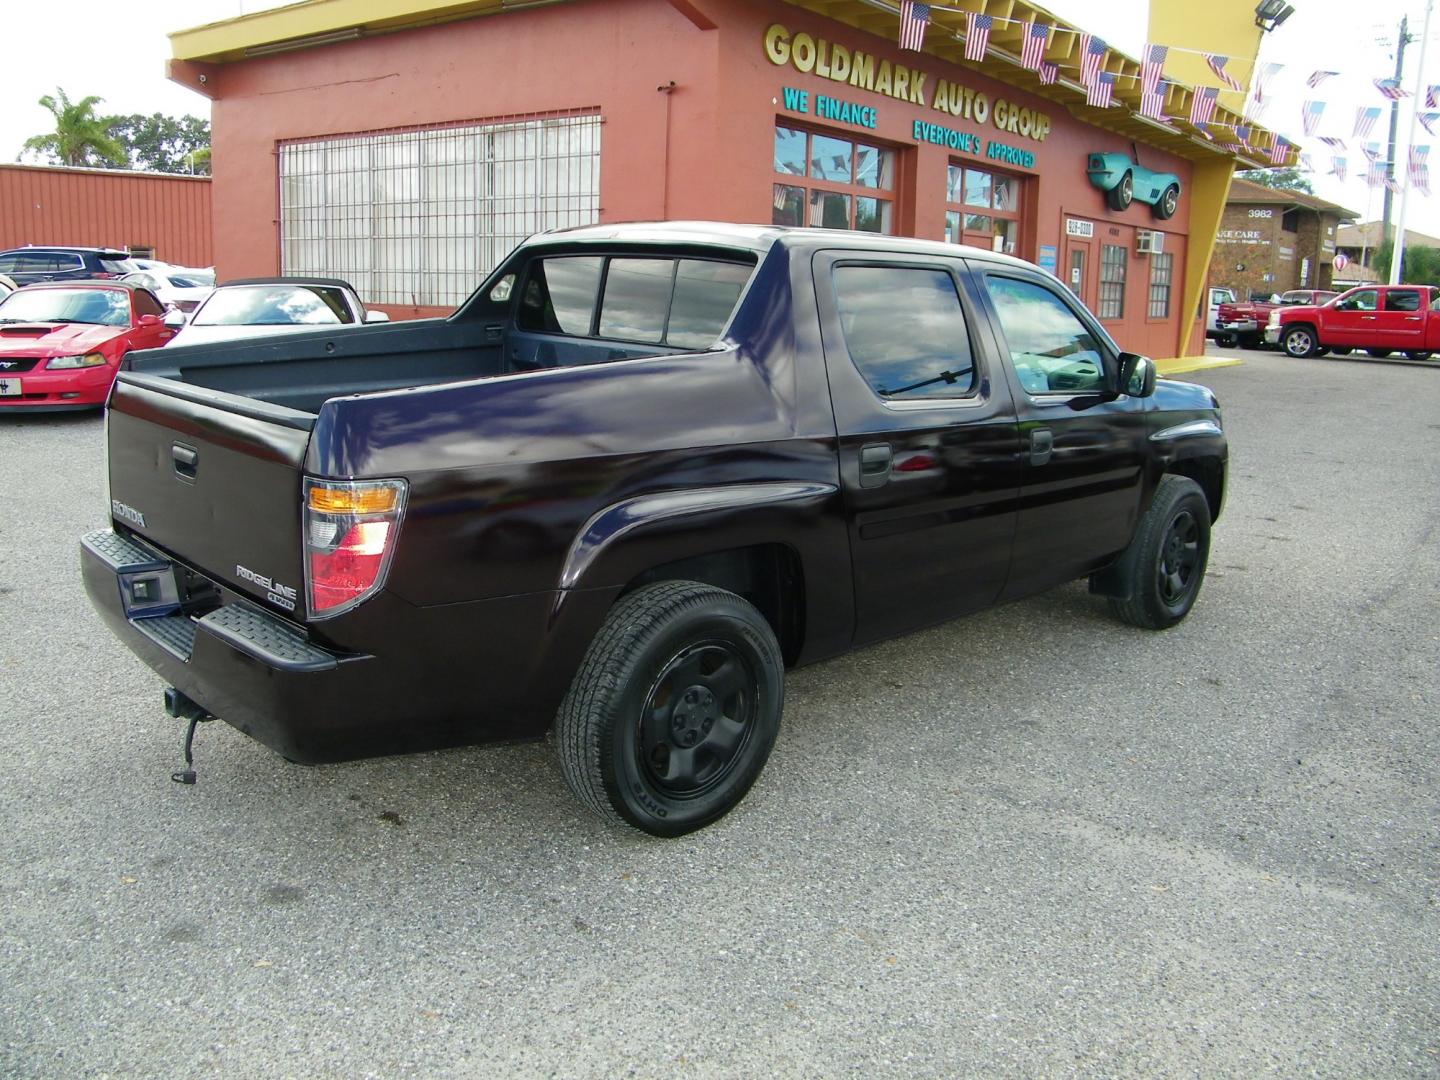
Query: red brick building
{"type": "Point", "coordinates": [1271, 240]}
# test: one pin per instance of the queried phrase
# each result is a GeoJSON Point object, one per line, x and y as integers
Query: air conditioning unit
{"type": "Point", "coordinates": [1148, 242]}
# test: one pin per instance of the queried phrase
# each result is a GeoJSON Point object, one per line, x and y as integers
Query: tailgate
{"type": "Point", "coordinates": [214, 479]}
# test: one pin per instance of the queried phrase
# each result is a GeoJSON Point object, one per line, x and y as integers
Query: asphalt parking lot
{"type": "Point", "coordinates": [1035, 842]}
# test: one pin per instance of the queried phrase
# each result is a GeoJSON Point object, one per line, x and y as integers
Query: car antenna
{"type": "Point", "coordinates": [1135, 151]}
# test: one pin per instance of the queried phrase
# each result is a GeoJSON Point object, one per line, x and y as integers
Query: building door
{"type": "Point", "coordinates": [1077, 264]}
{"type": "Point", "coordinates": [929, 453]}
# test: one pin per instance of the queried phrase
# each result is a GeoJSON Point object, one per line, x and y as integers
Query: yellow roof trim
{"type": "Point", "coordinates": [319, 22]}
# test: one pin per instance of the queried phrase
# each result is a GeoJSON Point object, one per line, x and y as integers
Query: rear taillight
{"type": "Point", "coordinates": [350, 532]}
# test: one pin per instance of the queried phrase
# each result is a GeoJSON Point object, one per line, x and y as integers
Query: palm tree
{"type": "Point", "coordinates": [80, 137]}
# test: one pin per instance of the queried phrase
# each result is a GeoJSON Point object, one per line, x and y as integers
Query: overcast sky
{"type": "Point", "coordinates": [118, 51]}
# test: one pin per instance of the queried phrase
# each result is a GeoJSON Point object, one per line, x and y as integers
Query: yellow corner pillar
{"type": "Point", "coordinates": [1209, 188]}
{"type": "Point", "coordinates": [1224, 27]}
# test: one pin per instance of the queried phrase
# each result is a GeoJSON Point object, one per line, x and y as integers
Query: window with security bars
{"type": "Point", "coordinates": [419, 217]}
{"type": "Point", "coordinates": [1161, 267]}
{"type": "Point", "coordinates": [1112, 282]}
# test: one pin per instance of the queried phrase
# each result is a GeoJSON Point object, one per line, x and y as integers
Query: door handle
{"type": "Point", "coordinates": [875, 464]}
{"type": "Point", "coordinates": [186, 461]}
{"type": "Point", "coordinates": [494, 331]}
{"type": "Point", "coordinates": [1367, 318]}
{"type": "Point", "coordinates": [1042, 443]}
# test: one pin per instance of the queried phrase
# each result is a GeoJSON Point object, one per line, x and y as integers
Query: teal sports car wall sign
{"type": "Point", "coordinates": [1123, 181]}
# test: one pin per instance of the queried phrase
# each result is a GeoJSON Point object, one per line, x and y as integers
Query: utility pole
{"type": "Point", "coordinates": [1394, 122]}
{"type": "Point", "coordinates": [1397, 253]}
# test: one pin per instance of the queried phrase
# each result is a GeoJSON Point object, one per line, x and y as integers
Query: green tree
{"type": "Point", "coordinates": [163, 143]}
{"type": "Point", "coordinates": [1288, 179]}
{"type": "Point", "coordinates": [1422, 264]}
{"type": "Point", "coordinates": [80, 137]}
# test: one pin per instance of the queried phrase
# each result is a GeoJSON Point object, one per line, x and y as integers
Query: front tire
{"type": "Point", "coordinates": [1299, 341]}
{"type": "Point", "coordinates": [1122, 194]}
{"type": "Point", "coordinates": [675, 708]}
{"type": "Point", "coordinates": [1162, 569]}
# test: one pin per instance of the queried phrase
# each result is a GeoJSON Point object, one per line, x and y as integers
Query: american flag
{"type": "Point", "coordinates": [1151, 68]}
{"type": "Point", "coordinates": [1310, 115]}
{"type": "Point", "coordinates": [1092, 52]}
{"type": "Point", "coordinates": [1428, 118]}
{"type": "Point", "coordinates": [1097, 93]}
{"type": "Point", "coordinates": [1420, 169]}
{"type": "Point", "coordinates": [1432, 97]}
{"type": "Point", "coordinates": [1334, 143]}
{"type": "Point", "coordinates": [1153, 105]}
{"type": "Point", "coordinates": [1202, 104]}
{"type": "Point", "coordinates": [1217, 65]}
{"type": "Point", "coordinates": [1391, 88]}
{"type": "Point", "coordinates": [1263, 75]}
{"type": "Point", "coordinates": [1371, 152]}
{"type": "Point", "coordinates": [1306, 162]}
{"type": "Point", "coordinates": [1364, 121]}
{"type": "Point", "coordinates": [1242, 132]}
{"type": "Point", "coordinates": [977, 34]}
{"type": "Point", "coordinates": [1337, 168]}
{"type": "Point", "coordinates": [914, 18]}
{"type": "Point", "coordinates": [1049, 72]}
{"type": "Point", "coordinates": [1318, 77]}
{"type": "Point", "coordinates": [1278, 149]}
{"type": "Point", "coordinates": [1376, 174]}
{"type": "Point", "coordinates": [1392, 184]}
{"type": "Point", "coordinates": [1037, 36]}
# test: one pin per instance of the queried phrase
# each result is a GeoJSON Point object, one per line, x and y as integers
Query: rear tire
{"type": "Point", "coordinates": [1162, 569]}
{"type": "Point", "coordinates": [1378, 354]}
{"type": "Point", "coordinates": [1250, 341]}
{"type": "Point", "coordinates": [674, 710]}
{"type": "Point", "coordinates": [1299, 341]}
{"type": "Point", "coordinates": [1419, 354]}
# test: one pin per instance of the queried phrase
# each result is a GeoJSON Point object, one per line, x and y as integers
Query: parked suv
{"type": "Point", "coordinates": [28, 265]}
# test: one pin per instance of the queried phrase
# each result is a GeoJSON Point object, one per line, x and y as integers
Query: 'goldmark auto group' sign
{"type": "Point", "coordinates": [861, 71]}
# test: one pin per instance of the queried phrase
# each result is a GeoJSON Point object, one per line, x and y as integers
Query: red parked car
{"type": "Point", "coordinates": [60, 345]}
{"type": "Point", "coordinates": [1381, 319]}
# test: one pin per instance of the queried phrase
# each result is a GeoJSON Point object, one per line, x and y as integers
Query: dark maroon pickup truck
{"type": "Point", "coordinates": [640, 473]}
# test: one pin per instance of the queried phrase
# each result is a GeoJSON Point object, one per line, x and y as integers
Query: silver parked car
{"type": "Point", "coordinates": [261, 307]}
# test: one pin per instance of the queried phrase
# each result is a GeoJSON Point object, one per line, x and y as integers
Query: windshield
{"type": "Point", "coordinates": [191, 279]}
{"type": "Point", "coordinates": [274, 305]}
{"type": "Point", "coordinates": [104, 307]}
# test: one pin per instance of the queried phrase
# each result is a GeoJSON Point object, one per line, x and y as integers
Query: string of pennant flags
{"type": "Point", "coordinates": [915, 19]}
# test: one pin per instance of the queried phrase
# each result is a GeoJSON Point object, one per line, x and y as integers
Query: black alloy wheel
{"type": "Point", "coordinates": [1179, 559]}
{"type": "Point", "coordinates": [1161, 571]}
{"type": "Point", "coordinates": [1299, 341]}
{"type": "Point", "coordinates": [674, 710]}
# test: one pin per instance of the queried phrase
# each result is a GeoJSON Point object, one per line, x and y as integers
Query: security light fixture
{"type": "Point", "coordinates": [1271, 13]}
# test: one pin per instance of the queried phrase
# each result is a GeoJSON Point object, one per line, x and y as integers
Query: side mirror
{"type": "Point", "coordinates": [174, 318]}
{"type": "Point", "coordinates": [148, 320]}
{"type": "Point", "coordinates": [376, 316]}
{"type": "Point", "coordinates": [1137, 375]}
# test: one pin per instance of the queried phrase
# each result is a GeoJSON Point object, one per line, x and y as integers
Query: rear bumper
{"type": "Point", "coordinates": [449, 675]}
{"type": "Point", "coordinates": [1238, 326]}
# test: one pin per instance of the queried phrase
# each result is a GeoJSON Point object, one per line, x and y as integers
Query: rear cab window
{"type": "Point", "coordinates": [676, 302]}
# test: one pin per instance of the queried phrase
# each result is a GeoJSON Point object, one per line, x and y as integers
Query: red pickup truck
{"type": "Point", "coordinates": [1381, 319]}
{"type": "Point", "coordinates": [1243, 322]}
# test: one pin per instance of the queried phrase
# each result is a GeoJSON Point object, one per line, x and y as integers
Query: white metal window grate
{"type": "Point", "coordinates": [419, 217]}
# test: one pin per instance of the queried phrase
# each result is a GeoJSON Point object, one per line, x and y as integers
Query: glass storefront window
{"type": "Point", "coordinates": [872, 215]}
{"type": "Point", "coordinates": [977, 187]}
{"type": "Point", "coordinates": [874, 167]}
{"type": "Point", "coordinates": [830, 159]}
{"type": "Point", "coordinates": [840, 182]}
{"type": "Point", "coordinates": [789, 205]}
{"type": "Point", "coordinates": [967, 190]}
{"type": "Point", "coordinates": [789, 151]}
{"type": "Point", "coordinates": [829, 210]}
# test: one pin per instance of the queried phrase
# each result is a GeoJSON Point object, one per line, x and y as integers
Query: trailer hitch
{"type": "Point", "coordinates": [185, 708]}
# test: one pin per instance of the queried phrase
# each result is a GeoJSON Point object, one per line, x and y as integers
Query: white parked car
{"type": "Point", "coordinates": [7, 286]}
{"type": "Point", "coordinates": [176, 286]}
{"type": "Point", "coordinates": [1217, 296]}
{"type": "Point", "coordinates": [260, 307]}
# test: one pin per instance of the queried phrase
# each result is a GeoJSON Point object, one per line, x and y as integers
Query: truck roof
{"type": "Point", "coordinates": [760, 238]}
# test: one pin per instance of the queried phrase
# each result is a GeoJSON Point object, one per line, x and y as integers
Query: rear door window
{"type": "Point", "coordinates": [1402, 300]}
{"type": "Point", "coordinates": [905, 331]}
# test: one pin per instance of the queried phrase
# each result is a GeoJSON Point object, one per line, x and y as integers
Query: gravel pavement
{"type": "Point", "coordinates": [1031, 843]}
